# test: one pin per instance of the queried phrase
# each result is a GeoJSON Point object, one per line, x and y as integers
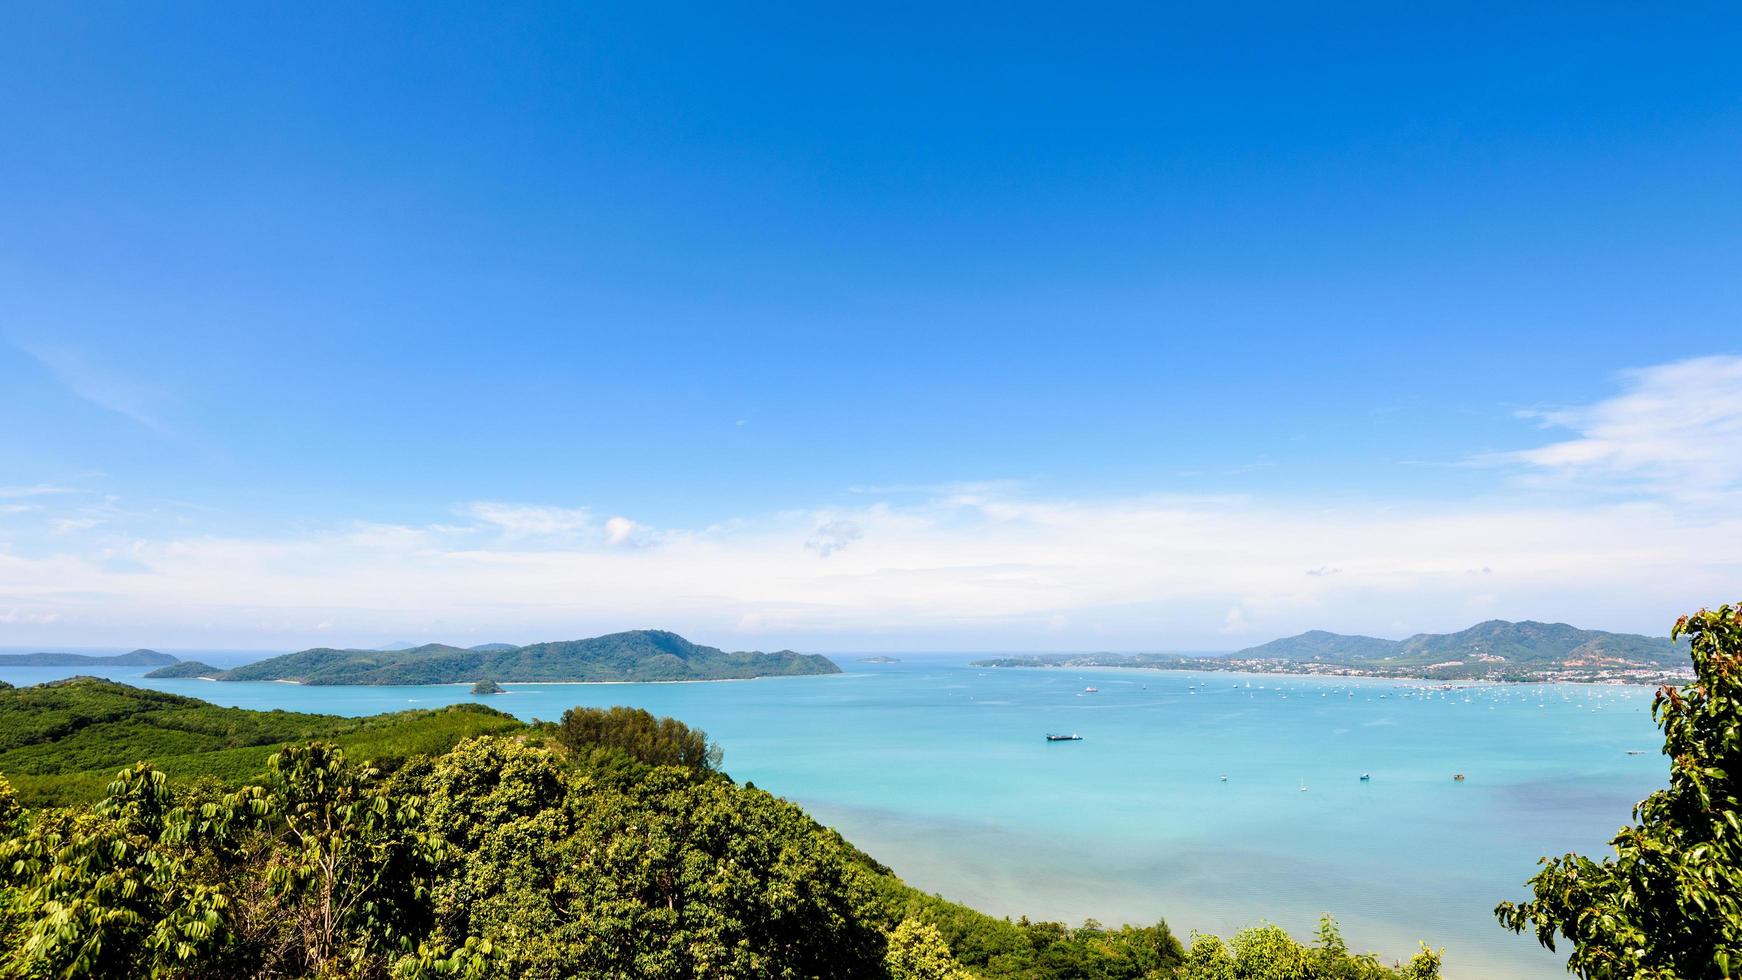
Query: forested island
{"type": "Point", "coordinates": [137, 658]}
{"type": "Point", "coordinates": [461, 842]}
{"type": "Point", "coordinates": [1496, 650]}
{"type": "Point", "coordinates": [637, 655]}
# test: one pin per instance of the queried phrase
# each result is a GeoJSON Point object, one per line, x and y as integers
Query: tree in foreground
{"type": "Point", "coordinates": [1269, 953]}
{"type": "Point", "coordinates": [638, 734]}
{"type": "Point", "coordinates": [918, 952]}
{"type": "Point", "coordinates": [1668, 905]}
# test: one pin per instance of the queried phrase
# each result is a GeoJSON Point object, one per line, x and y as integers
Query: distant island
{"type": "Point", "coordinates": [487, 687]}
{"type": "Point", "coordinates": [186, 668]}
{"type": "Point", "coordinates": [638, 655]}
{"type": "Point", "coordinates": [878, 660]}
{"type": "Point", "coordinates": [137, 658]}
{"type": "Point", "coordinates": [1496, 650]}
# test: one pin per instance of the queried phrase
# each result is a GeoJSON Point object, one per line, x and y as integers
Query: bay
{"type": "Point", "coordinates": [940, 770]}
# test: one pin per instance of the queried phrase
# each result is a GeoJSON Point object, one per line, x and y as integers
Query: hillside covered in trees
{"type": "Point", "coordinates": [135, 658]}
{"type": "Point", "coordinates": [461, 842]}
{"type": "Point", "coordinates": [637, 655]}
{"type": "Point", "coordinates": [1496, 650]}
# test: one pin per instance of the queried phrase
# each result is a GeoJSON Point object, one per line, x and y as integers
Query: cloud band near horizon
{"type": "Point", "coordinates": [1622, 526]}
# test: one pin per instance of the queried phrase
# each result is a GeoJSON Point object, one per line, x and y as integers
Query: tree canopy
{"type": "Point", "coordinates": [638, 734]}
{"type": "Point", "coordinates": [1668, 904]}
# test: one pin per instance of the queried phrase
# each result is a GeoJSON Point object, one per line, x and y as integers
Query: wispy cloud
{"type": "Point", "coordinates": [38, 490]}
{"type": "Point", "coordinates": [103, 386]}
{"type": "Point", "coordinates": [1000, 572]}
{"type": "Point", "coordinates": [19, 617]}
{"type": "Point", "coordinates": [965, 566]}
{"type": "Point", "coordinates": [1675, 429]}
{"type": "Point", "coordinates": [530, 519]}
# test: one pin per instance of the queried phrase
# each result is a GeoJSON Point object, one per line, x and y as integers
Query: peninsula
{"type": "Point", "coordinates": [1495, 650]}
{"type": "Point", "coordinates": [637, 655]}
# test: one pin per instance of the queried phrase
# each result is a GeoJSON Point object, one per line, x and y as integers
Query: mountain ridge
{"type": "Point", "coordinates": [141, 657]}
{"type": "Point", "coordinates": [633, 655]}
{"type": "Point", "coordinates": [1529, 644]}
{"type": "Point", "coordinates": [1494, 650]}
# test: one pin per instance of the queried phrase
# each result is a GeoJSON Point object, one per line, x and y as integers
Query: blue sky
{"type": "Point", "coordinates": [1002, 327]}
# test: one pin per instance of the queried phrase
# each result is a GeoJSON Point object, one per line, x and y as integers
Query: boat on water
{"type": "Point", "coordinates": [1091, 690]}
{"type": "Point", "coordinates": [1072, 737]}
{"type": "Point", "coordinates": [1458, 776]}
{"type": "Point", "coordinates": [1366, 777]}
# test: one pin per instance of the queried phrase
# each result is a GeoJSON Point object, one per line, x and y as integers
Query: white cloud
{"type": "Point", "coordinates": [967, 566]}
{"type": "Point", "coordinates": [1675, 429]}
{"type": "Point", "coordinates": [1001, 572]}
{"type": "Point", "coordinates": [39, 490]}
{"type": "Point", "coordinates": [832, 536]}
{"type": "Point", "coordinates": [621, 531]}
{"type": "Point", "coordinates": [1235, 621]}
{"type": "Point", "coordinates": [530, 519]}
{"type": "Point", "coordinates": [18, 617]}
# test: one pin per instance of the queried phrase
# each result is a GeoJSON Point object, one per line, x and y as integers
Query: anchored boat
{"type": "Point", "coordinates": [1072, 737]}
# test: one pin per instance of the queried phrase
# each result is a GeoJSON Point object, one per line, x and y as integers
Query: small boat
{"type": "Point", "coordinates": [1072, 737]}
{"type": "Point", "coordinates": [1091, 690]}
{"type": "Point", "coordinates": [1458, 776]}
{"type": "Point", "coordinates": [1366, 777]}
{"type": "Point", "coordinates": [1635, 751]}
{"type": "Point", "coordinates": [1224, 777]}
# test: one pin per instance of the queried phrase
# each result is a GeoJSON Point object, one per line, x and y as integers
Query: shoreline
{"type": "Point", "coordinates": [1398, 678]}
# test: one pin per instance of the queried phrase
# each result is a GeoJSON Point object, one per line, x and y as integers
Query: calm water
{"type": "Point", "coordinates": [940, 771]}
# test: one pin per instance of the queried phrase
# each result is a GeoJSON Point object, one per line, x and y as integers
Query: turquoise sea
{"type": "Point", "coordinates": [940, 770]}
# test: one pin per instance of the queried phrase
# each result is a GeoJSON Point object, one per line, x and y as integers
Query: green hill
{"type": "Point", "coordinates": [138, 658]}
{"type": "Point", "coordinates": [1322, 645]}
{"type": "Point", "coordinates": [63, 741]}
{"type": "Point", "coordinates": [185, 668]}
{"type": "Point", "coordinates": [1493, 648]}
{"type": "Point", "coordinates": [638, 655]}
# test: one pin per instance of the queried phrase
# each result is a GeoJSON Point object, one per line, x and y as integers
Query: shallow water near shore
{"type": "Point", "coordinates": [941, 771]}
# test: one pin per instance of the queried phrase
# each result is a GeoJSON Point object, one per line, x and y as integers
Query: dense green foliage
{"type": "Point", "coordinates": [639, 735]}
{"type": "Point", "coordinates": [486, 687]}
{"type": "Point", "coordinates": [1668, 904]}
{"type": "Point", "coordinates": [638, 655]}
{"type": "Point", "coordinates": [1024, 950]}
{"type": "Point", "coordinates": [607, 845]}
{"type": "Point", "coordinates": [137, 658]}
{"type": "Point", "coordinates": [63, 742]}
{"type": "Point", "coordinates": [185, 668]}
{"type": "Point", "coordinates": [1268, 953]}
{"type": "Point", "coordinates": [668, 876]}
{"type": "Point", "coordinates": [918, 952]}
